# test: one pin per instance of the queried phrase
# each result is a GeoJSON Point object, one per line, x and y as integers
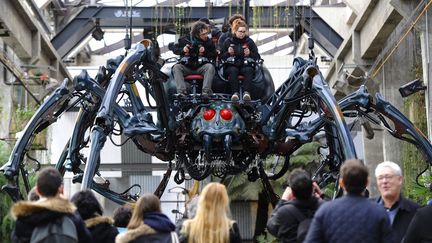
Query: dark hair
{"type": "Point", "coordinates": [301, 184]}
{"type": "Point", "coordinates": [197, 27]}
{"type": "Point", "coordinates": [122, 215]}
{"type": "Point", "coordinates": [87, 204]}
{"type": "Point", "coordinates": [204, 20]}
{"type": "Point", "coordinates": [234, 17]}
{"type": "Point", "coordinates": [48, 182]}
{"type": "Point", "coordinates": [354, 175]}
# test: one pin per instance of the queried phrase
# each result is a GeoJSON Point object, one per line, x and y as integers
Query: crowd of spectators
{"type": "Point", "coordinates": [300, 216]}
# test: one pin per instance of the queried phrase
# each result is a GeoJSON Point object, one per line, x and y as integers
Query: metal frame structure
{"type": "Point", "coordinates": [144, 17]}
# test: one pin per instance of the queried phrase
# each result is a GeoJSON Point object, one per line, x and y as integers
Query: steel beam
{"type": "Point", "coordinates": [116, 46]}
{"type": "Point", "coordinates": [164, 17]}
{"type": "Point", "coordinates": [123, 167]}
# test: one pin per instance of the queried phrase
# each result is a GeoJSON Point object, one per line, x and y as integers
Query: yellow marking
{"type": "Point", "coordinates": [123, 67]}
{"type": "Point", "coordinates": [194, 190]}
{"type": "Point", "coordinates": [81, 110]}
{"type": "Point", "coordinates": [135, 89]}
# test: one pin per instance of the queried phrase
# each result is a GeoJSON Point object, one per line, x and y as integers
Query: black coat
{"type": "Point", "coordinates": [351, 218]}
{"type": "Point", "coordinates": [419, 230]}
{"type": "Point", "coordinates": [234, 235]}
{"type": "Point", "coordinates": [239, 45]}
{"type": "Point", "coordinates": [209, 52]}
{"type": "Point", "coordinates": [407, 209]}
{"type": "Point", "coordinates": [222, 39]}
{"type": "Point", "coordinates": [28, 215]}
{"type": "Point", "coordinates": [283, 222]}
{"type": "Point", "coordinates": [102, 229]}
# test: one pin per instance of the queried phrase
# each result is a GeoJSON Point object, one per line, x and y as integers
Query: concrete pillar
{"type": "Point", "coordinates": [6, 94]}
{"type": "Point", "coordinates": [426, 47]}
{"type": "Point", "coordinates": [5, 105]}
{"type": "Point", "coordinates": [373, 156]}
{"type": "Point", "coordinates": [395, 72]}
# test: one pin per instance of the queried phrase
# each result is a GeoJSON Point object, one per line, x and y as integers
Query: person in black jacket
{"type": "Point", "coordinates": [211, 223]}
{"type": "Point", "coordinates": [215, 33]}
{"type": "Point", "coordinates": [400, 210]}
{"type": "Point", "coordinates": [239, 53]}
{"type": "Point", "coordinates": [298, 198]}
{"type": "Point", "coordinates": [352, 217]}
{"type": "Point", "coordinates": [227, 34]}
{"type": "Point", "coordinates": [419, 230]}
{"type": "Point", "coordinates": [101, 227]}
{"type": "Point", "coordinates": [50, 207]}
{"type": "Point", "coordinates": [148, 223]}
{"type": "Point", "coordinates": [197, 54]}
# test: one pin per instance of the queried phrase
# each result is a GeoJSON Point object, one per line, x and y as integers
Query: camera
{"type": "Point", "coordinates": [411, 88]}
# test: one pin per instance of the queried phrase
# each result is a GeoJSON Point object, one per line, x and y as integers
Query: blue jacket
{"type": "Point", "coordinates": [351, 218]}
{"type": "Point", "coordinates": [159, 222]}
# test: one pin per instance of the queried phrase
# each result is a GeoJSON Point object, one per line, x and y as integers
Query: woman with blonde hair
{"type": "Point", "coordinates": [148, 223]}
{"type": "Point", "coordinates": [211, 223]}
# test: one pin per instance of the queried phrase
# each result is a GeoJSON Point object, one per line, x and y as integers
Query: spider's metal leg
{"type": "Point", "coordinates": [12, 190]}
{"type": "Point", "coordinates": [207, 146]}
{"type": "Point", "coordinates": [141, 122]}
{"type": "Point", "coordinates": [343, 132]}
{"type": "Point", "coordinates": [227, 147]}
{"type": "Point", "coordinates": [47, 114]}
{"type": "Point", "coordinates": [273, 197]}
{"type": "Point", "coordinates": [98, 139]}
{"type": "Point", "coordinates": [162, 185]}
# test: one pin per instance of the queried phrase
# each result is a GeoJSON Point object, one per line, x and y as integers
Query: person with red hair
{"type": "Point", "coordinates": [239, 53]}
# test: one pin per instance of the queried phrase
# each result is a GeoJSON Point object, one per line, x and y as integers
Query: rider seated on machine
{"type": "Point", "coordinates": [239, 53]}
{"type": "Point", "coordinates": [197, 54]}
{"type": "Point", "coordinates": [214, 33]}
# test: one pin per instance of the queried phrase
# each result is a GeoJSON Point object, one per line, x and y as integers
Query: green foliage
{"type": "Point", "coordinates": [5, 201]}
{"type": "Point", "coordinates": [21, 117]}
{"type": "Point", "coordinates": [239, 188]}
{"type": "Point", "coordinates": [413, 161]}
{"type": "Point", "coordinates": [306, 154]}
{"type": "Point", "coordinates": [24, 114]}
{"type": "Point", "coordinates": [421, 194]}
{"type": "Point", "coordinates": [6, 220]}
{"type": "Point", "coordinates": [267, 238]}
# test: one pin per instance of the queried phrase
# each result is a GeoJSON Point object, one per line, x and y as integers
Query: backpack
{"type": "Point", "coordinates": [304, 224]}
{"type": "Point", "coordinates": [61, 230]}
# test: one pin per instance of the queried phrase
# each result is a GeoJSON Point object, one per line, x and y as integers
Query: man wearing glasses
{"type": "Point", "coordinates": [197, 54]}
{"type": "Point", "coordinates": [400, 210]}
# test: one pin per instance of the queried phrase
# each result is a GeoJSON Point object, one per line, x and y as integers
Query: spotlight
{"type": "Point", "coordinates": [411, 88]}
{"type": "Point", "coordinates": [98, 33]}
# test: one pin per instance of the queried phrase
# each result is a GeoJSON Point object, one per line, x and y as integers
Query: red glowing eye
{"type": "Point", "coordinates": [209, 114]}
{"type": "Point", "coordinates": [226, 114]}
